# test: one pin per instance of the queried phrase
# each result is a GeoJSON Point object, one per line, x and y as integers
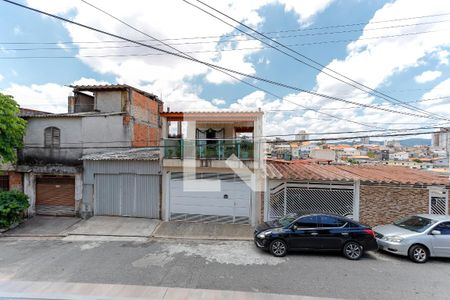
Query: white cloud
{"type": "Point", "coordinates": [161, 73]}
{"type": "Point", "coordinates": [305, 9]}
{"type": "Point", "coordinates": [443, 57]}
{"type": "Point", "coordinates": [218, 102]}
{"type": "Point", "coordinates": [63, 46]}
{"type": "Point", "coordinates": [372, 62]}
{"type": "Point", "coordinates": [427, 76]}
{"type": "Point", "coordinates": [49, 97]}
{"type": "Point", "coordinates": [1, 77]}
{"type": "Point", "coordinates": [17, 30]}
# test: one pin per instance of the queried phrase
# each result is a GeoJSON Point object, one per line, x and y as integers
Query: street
{"type": "Point", "coordinates": [230, 265]}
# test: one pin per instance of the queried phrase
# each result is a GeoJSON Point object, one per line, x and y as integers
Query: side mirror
{"type": "Point", "coordinates": [294, 227]}
{"type": "Point", "coordinates": [435, 232]}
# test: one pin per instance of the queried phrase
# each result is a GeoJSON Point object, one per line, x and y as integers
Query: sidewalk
{"type": "Point", "coordinates": [63, 290]}
{"type": "Point", "coordinates": [203, 231]}
{"type": "Point", "coordinates": [43, 226]}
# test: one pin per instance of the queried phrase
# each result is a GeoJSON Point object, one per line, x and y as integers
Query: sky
{"type": "Point", "coordinates": [400, 48]}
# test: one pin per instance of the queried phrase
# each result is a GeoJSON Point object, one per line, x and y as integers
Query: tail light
{"type": "Point", "coordinates": [369, 232]}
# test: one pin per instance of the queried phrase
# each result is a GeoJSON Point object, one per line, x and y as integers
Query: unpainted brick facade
{"type": "Point", "coordinates": [386, 204]}
{"type": "Point", "coordinates": [15, 181]}
{"type": "Point", "coordinates": [146, 127]}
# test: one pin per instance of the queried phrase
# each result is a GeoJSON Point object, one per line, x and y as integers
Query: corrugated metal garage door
{"type": "Point", "coordinates": [229, 205]}
{"type": "Point", "coordinates": [127, 195]}
{"type": "Point", "coordinates": [55, 195]}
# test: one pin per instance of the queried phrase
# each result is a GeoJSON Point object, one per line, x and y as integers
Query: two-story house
{"type": "Point", "coordinates": [212, 166]}
{"type": "Point", "coordinates": [100, 118]}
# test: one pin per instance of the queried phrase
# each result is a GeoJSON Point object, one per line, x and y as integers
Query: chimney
{"type": "Point", "coordinates": [71, 104]}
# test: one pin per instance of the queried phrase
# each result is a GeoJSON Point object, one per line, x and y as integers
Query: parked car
{"type": "Point", "coordinates": [315, 232]}
{"type": "Point", "coordinates": [418, 237]}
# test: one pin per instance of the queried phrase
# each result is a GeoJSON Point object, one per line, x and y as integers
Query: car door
{"type": "Point", "coordinates": [441, 242]}
{"type": "Point", "coordinates": [304, 233]}
{"type": "Point", "coordinates": [332, 234]}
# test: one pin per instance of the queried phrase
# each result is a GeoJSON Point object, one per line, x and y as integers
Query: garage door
{"type": "Point", "coordinates": [55, 195]}
{"type": "Point", "coordinates": [127, 195]}
{"type": "Point", "coordinates": [229, 205]}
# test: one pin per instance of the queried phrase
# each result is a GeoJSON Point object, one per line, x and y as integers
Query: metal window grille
{"type": "Point", "coordinates": [290, 197]}
{"type": "Point", "coordinates": [4, 183]}
{"type": "Point", "coordinates": [438, 201]}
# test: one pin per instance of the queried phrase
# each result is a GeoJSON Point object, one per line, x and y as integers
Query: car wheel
{"type": "Point", "coordinates": [353, 250]}
{"type": "Point", "coordinates": [278, 248]}
{"type": "Point", "coordinates": [418, 254]}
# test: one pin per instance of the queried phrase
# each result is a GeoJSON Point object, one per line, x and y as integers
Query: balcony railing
{"type": "Point", "coordinates": [208, 149]}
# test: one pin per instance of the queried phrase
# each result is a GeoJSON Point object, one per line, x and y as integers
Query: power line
{"type": "Point", "coordinates": [206, 51]}
{"type": "Point", "coordinates": [297, 45]}
{"type": "Point", "coordinates": [217, 67]}
{"type": "Point", "coordinates": [267, 32]}
{"type": "Point", "coordinates": [352, 82]}
{"type": "Point", "coordinates": [354, 131]}
{"type": "Point", "coordinates": [351, 137]}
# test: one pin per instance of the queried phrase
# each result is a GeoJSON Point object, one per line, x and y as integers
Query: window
{"type": "Point", "coordinates": [307, 222]}
{"type": "Point", "coordinates": [444, 228]}
{"type": "Point", "coordinates": [329, 221]}
{"type": "Point", "coordinates": [52, 137]}
{"type": "Point", "coordinates": [4, 183]}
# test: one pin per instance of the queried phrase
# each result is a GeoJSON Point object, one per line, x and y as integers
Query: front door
{"type": "Point", "coordinates": [305, 234]}
{"type": "Point", "coordinates": [441, 243]}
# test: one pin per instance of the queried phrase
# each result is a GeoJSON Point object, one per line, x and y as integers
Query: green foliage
{"type": "Point", "coordinates": [12, 129]}
{"type": "Point", "coordinates": [12, 206]}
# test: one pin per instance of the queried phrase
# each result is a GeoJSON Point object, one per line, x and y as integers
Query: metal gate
{"type": "Point", "coordinates": [128, 195]}
{"type": "Point", "coordinates": [438, 201]}
{"type": "Point", "coordinates": [288, 197]}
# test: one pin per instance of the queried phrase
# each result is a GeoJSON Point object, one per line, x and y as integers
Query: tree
{"type": "Point", "coordinates": [12, 129]}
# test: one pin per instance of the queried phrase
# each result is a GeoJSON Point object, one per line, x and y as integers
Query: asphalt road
{"type": "Point", "coordinates": [228, 265]}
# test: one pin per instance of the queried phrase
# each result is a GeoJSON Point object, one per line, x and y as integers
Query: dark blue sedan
{"type": "Point", "coordinates": [315, 232]}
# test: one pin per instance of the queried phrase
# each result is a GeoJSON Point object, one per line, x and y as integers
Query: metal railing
{"type": "Point", "coordinates": [220, 149]}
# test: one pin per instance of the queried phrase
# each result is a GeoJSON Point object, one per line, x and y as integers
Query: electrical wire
{"type": "Point", "coordinates": [352, 82]}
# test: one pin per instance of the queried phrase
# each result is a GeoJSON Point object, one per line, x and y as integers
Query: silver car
{"type": "Point", "coordinates": [418, 237]}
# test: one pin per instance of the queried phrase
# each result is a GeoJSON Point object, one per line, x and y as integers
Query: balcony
{"type": "Point", "coordinates": [208, 149]}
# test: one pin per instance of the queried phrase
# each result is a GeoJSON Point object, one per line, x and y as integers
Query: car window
{"type": "Point", "coordinates": [287, 219]}
{"type": "Point", "coordinates": [444, 228]}
{"type": "Point", "coordinates": [415, 223]}
{"type": "Point", "coordinates": [307, 222]}
{"type": "Point", "coordinates": [330, 221]}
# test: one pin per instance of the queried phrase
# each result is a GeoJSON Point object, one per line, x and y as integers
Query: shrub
{"type": "Point", "coordinates": [12, 206]}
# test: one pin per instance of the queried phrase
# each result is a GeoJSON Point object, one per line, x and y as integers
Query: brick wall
{"type": "Point", "coordinates": [146, 129]}
{"type": "Point", "coordinates": [382, 205]}
{"type": "Point", "coordinates": [15, 181]}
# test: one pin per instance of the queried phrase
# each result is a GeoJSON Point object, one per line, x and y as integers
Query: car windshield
{"type": "Point", "coordinates": [415, 223]}
{"type": "Point", "coordinates": [287, 219]}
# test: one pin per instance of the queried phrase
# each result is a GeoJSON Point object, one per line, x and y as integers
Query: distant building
{"type": "Point", "coordinates": [441, 140]}
{"type": "Point", "coordinates": [325, 154]}
{"type": "Point", "coordinates": [392, 144]}
{"type": "Point", "coordinates": [384, 154]}
{"type": "Point", "coordinates": [365, 140]}
{"type": "Point", "coordinates": [302, 135]}
{"type": "Point", "coordinates": [400, 155]}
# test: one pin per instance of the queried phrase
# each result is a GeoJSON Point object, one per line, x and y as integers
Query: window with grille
{"type": "Point", "coordinates": [52, 137]}
{"type": "Point", "coordinates": [4, 183]}
{"type": "Point", "coordinates": [438, 201]}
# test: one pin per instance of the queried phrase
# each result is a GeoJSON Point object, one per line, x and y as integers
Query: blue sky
{"type": "Point", "coordinates": [411, 66]}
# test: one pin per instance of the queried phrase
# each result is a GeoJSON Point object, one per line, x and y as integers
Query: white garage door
{"type": "Point", "coordinates": [229, 205]}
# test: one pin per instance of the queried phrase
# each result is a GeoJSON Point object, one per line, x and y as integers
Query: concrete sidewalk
{"type": "Point", "coordinates": [63, 290]}
{"type": "Point", "coordinates": [43, 226]}
{"type": "Point", "coordinates": [203, 231]}
{"type": "Point", "coordinates": [115, 227]}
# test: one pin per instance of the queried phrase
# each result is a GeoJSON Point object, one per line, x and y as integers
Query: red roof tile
{"type": "Point", "coordinates": [378, 173]}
